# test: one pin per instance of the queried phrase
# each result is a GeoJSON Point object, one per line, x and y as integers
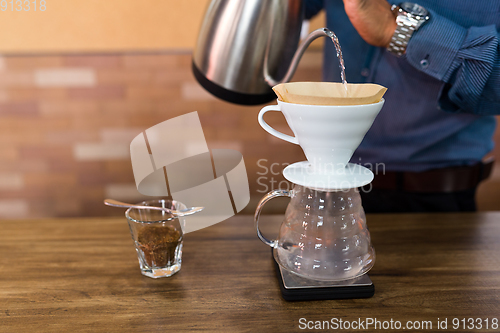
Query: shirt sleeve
{"type": "Point", "coordinates": [467, 61]}
{"type": "Point", "coordinates": [312, 7]}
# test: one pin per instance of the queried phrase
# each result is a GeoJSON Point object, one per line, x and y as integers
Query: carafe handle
{"type": "Point", "coordinates": [271, 130]}
{"type": "Point", "coordinates": [262, 202]}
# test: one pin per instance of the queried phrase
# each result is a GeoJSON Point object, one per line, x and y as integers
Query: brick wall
{"type": "Point", "coordinates": [66, 123]}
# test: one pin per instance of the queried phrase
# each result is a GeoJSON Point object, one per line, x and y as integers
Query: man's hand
{"type": "Point", "coordinates": [372, 19]}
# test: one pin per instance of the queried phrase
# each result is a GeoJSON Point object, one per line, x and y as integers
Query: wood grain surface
{"type": "Point", "coordinates": [70, 275]}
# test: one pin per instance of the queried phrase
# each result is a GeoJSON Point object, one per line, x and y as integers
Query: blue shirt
{"type": "Point", "coordinates": [442, 94]}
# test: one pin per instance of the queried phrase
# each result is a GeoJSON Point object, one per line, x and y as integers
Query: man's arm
{"type": "Point", "coordinates": [467, 60]}
{"type": "Point", "coordinates": [373, 20]}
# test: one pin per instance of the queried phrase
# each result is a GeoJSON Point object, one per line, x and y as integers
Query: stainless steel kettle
{"type": "Point", "coordinates": [247, 46]}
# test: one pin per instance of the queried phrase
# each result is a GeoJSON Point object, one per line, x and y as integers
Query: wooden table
{"type": "Point", "coordinates": [66, 275]}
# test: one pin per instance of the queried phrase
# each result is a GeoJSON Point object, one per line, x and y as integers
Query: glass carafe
{"type": "Point", "coordinates": [324, 234]}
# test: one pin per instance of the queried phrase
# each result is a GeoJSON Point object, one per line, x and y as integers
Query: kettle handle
{"type": "Point", "coordinates": [262, 202]}
{"type": "Point", "coordinates": [271, 130]}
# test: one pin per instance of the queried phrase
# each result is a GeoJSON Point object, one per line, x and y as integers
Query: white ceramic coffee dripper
{"type": "Point", "coordinates": [328, 135]}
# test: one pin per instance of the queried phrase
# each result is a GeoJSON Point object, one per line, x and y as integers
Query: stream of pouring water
{"type": "Point", "coordinates": [335, 41]}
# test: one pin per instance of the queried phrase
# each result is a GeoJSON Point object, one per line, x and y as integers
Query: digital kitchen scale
{"type": "Point", "coordinates": [297, 288]}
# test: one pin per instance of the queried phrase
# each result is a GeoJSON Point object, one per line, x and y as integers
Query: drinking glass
{"type": "Point", "coordinates": [157, 237]}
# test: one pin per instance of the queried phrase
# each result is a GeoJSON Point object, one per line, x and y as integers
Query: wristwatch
{"type": "Point", "coordinates": [409, 18]}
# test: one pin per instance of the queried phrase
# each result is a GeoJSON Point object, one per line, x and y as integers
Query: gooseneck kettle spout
{"type": "Point", "coordinates": [245, 47]}
{"type": "Point", "coordinates": [323, 32]}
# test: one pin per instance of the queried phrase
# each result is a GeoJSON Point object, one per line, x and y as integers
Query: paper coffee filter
{"type": "Point", "coordinates": [329, 93]}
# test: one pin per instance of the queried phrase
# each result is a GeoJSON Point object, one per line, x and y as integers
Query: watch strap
{"type": "Point", "coordinates": [407, 24]}
{"type": "Point", "coordinates": [402, 34]}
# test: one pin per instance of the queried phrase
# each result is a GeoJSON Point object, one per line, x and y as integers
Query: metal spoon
{"type": "Point", "coordinates": [184, 212]}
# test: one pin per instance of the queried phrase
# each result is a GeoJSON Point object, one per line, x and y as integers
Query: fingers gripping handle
{"type": "Point", "coordinates": [262, 202]}
{"type": "Point", "coordinates": [271, 130]}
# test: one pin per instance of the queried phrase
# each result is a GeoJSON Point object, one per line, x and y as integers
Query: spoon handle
{"type": "Point", "coordinates": [116, 203]}
{"type": "Point", "coordinates": [184, 212]}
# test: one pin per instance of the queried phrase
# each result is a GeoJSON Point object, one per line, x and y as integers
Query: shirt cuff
{"type": "Point", "coordinates": [433, 48]}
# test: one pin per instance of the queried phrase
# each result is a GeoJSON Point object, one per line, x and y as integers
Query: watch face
{"type": "Point", "coordinates": [414, 9]}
